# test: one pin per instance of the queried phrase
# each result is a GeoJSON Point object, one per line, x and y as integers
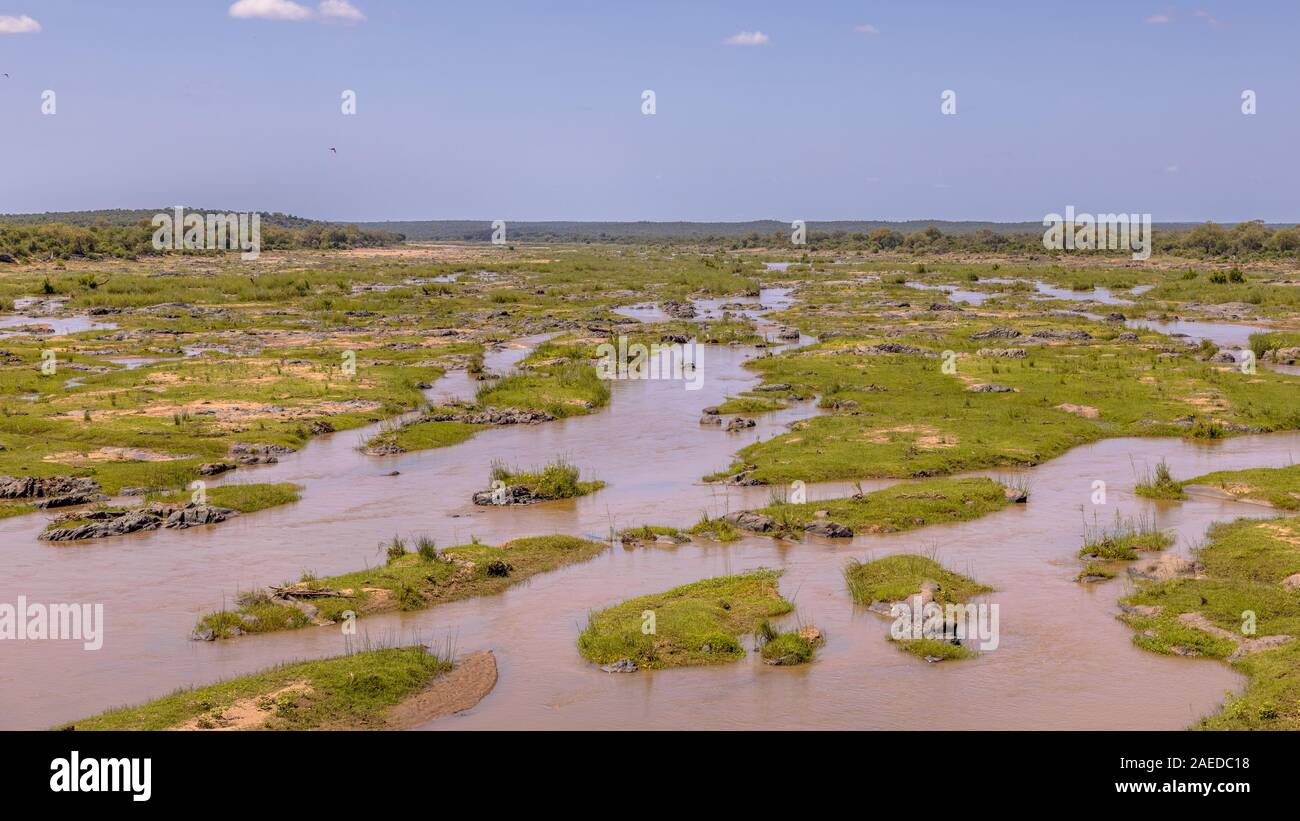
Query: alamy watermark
{"type": "Point", "coordinates": [53, 622]}
{"type": "Point", "coordinates": [1110, 232]}
{"type": "Point", "coordinates": [77, 774]}
{"type": "Point", "coordinates": [179, 231]}
{"type": "Point", "coordinates": [945, 622]}
{"type": "Point", "coordinates": [658, 360]}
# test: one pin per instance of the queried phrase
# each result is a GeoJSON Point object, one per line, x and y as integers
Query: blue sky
{"type": "Point", "coordinates": [532, 110]}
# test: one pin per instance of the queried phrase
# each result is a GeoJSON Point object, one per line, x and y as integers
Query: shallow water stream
{"type": "Point", "coordinates": [1063, 662]}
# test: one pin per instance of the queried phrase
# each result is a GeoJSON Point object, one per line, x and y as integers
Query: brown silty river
{"type": "Point", "coordinates": [1063, 661]}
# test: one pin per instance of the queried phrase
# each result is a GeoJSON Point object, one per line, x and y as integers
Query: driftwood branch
{"type": "Point", "coordinates": [305, 593]}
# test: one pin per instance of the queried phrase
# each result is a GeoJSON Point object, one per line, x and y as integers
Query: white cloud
{"type": "Point", "coordinates": [748, 38]}
{"type": "Point", "coordinates": [866, 28]}
{"type": "Point", "coordinates": [341, 10]}
{"type": "Point", "coordinates": [18, 25]}
{"type": "Point", "coordinates": [269, 10]}
{"type": "Point", "coordinates": [329, 11]}
{"type": "Point", "coordinates": [1159, 19]}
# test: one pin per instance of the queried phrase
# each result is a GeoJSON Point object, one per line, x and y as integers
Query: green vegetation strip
{"type": "Point", "coordinates": [897, 508]}
{"type": "Point", "coordinates": [1124, 539]}
{"type": "Point", "coordinates": [1242, 604]}
{"type": "Point", "coordinates": [557, 480]}
{"type": "Point", "coordinates": [896, 410]}
{"type": "Point", "coordinates": [1279, 487]}
{"type": "Point", "coordinates": [697, 623]}
{"type": "Point", "coordinates": [346, 692]}
{"type": "Point", "coordinates": [407, 581]}
{"type": "Point", "coordinates": [894, 578]}
{"type": "Point", "coordinates": [245, 498]}
{"type": "Point", "coordinates": [556, 378]}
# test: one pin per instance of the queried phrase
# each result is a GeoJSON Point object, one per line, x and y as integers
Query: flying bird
{"type": "Point", "coordinates": [335, 150]}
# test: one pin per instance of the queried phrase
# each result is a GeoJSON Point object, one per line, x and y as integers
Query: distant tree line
{"type": "Point", "coordinates": [25, 239]}
{"type": "Point", "coordinates": [128, 234]}
{"type": "Point", "coordinates": [1244, 240]}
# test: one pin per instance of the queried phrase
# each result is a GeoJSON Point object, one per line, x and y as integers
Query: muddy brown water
{"type": "Point", "coordinates": [1064, 661]}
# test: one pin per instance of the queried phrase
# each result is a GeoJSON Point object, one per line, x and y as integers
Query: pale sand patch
{"type": "Point", "coordinates": [1207, 402]}
{"type": "Point", "coordinates": [1281, 533]}
{"type": "Point", "coordinates": [247, 713]}
{"type": "Point", "coordinates": [115, 454]}
{"type": "Point", "coordinates": [1245, 646]}
{"type": "Point", "coordinates": [465, 686]}
{"type": "Point", "coordinates": [927, 438]}
{"type": "Point", "coordinates": [224, 411]}
{"type": "Point", "coordinates": [438, 251]}
{"type": "Point", "coordinates": [1086, 411]}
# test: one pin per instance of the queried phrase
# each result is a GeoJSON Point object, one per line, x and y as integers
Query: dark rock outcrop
{"type": "Point", "coordinates": [1003, 353]}
{"type": "Point", "coordinates": [749, 520]}
{"type": "Point", "coordinates": [678, 310]}
{"type": "Point", "coordinates": [490, 416]}
{"type": "Point", "coordinates": [512, 495]}
{"type": "Point", "coordinates": [245, 454]}
{"type": "Point", "coordinates": [996, 333]}
{"type": "Point", "coordinates": [1056, 333]}
{"type": "Point", "coordinates": [214, 468]}
{"type": "Point", "coordinates": [103, 523]}
{"type": "Point", "coordinates": [32, 487]}
{"type": "Point", "coordinates": [829, 529]}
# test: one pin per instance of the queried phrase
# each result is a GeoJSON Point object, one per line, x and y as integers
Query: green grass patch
{"type": "Point", "coordinates": [894, 578]}
{"type": "Point", "coordinates": [556, 378]}
{"type": "Point", "coordinates": [787, 648]}
{"type": "Point", "coordinates": [897, 508]}
{"type": "Point", "coordinates": [558, 480]}
{"type": "Point", "coordinates": [719, 530]}
{"type": "Point", "coordinates": [1160, 484]}
{"type": "Point", "coordinates": [245, 498]}
{"type": "Point", "coordinates": [414, 576]}
{"type": "Point", "coordinates": [1096, 571]}
{"type": "Point", "coordinates": [1279, 487]}
{"type": "Point", "coordinates": [697, 623]}
{"type": "Point", "coordinates": [751, 404]}
{"type": "Point", "coordinates": [934, 649]}
{"type": "Point", "coordinates": [9, 509]}
{"type": "Point", "coordinates": [1064, 392]}
{"type": "Point", "coordinates": [424, 435]}
{"type": "Point", "coordinates": [1244, 564]}
{"type": "Point", "coordinates": [648, 533]}
{"type": "Point", "coordinates": [1123, 540]}
{"type": "Point", "coordinates": [345, 692]}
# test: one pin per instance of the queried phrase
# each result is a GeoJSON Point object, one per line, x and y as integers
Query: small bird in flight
{"type": "Point", "coordinates": [335, 150]}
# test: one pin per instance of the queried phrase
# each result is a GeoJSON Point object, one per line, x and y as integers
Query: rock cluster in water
{"type": "Point", "coordinates": [97, 524]}
{"type": "Point", "coordinates": [513, 495]}
{"type": "Point", "coordinates": [678, 310]}
{"type": "Point", "coordinates": [490, 416]}
{"type": "Point", "coordinates": [51, 491]}
{"type": "Point", "coordinates": [756, 522]}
